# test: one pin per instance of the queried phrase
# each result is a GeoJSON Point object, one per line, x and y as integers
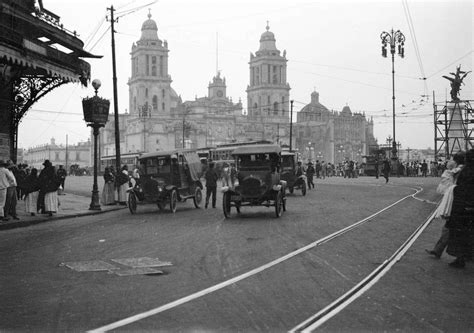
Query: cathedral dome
{"type": "Point", "coordinates": [149, 29]}
{"type": "Point", "coordinates": [267, 40]}
{"type": "Point", "coordinates": [346, 110]}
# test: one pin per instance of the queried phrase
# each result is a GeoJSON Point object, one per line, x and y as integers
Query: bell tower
{"type": "Point", "coordinates": [150, 83]}
{"type": "Point", "coordinates": [268, 92]}
{"type": "Point", "coordinates": [217, 88]}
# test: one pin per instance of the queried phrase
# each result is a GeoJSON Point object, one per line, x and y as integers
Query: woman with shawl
{"type": "Point", "coordinates": [31, 189]}
{"type": "Point", "coordinates": [49, 185]}
{"type": "Point", "coordinates": [108, 193]}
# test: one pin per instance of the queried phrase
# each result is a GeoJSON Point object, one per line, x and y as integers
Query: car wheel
{"type": "Point", "coordinates": [303, 189]}
{"type": "Point", "coordinates": [173, 201]}
{"type": "Point", "coordinates": [132, 202]}
{"type": "Point", "coordinates": [226, 204]}
{"type": "Point", "coordinates": [278, 204]}
{"type": "Point", "coordinates": [197, 199]}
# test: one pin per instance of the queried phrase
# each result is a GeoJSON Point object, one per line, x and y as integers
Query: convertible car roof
{"type": "Point", "coordinates": [165, 153]}
{"type": "Point", "coordinates": [287, 153]}
{"type": "Point", "coordinates": [257, 149]}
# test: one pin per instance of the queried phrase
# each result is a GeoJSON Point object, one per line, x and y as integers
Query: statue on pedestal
{"type": "Point", "coordinates": [456, 82]}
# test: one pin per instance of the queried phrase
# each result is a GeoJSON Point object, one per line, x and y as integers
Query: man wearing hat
{"type": "Point", "coordinates": [6, 179]}
{"type": "Point", "coordinates": [310, 174]}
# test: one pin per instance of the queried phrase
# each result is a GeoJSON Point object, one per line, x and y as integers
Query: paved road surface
{"type": "Point", "coordinates": [207, 252]}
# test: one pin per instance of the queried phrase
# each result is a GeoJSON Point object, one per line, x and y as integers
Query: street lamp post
{"type": "Point", "coordinates": [96, 114]}
{"type": "Point", "coordinates": [394, 39]}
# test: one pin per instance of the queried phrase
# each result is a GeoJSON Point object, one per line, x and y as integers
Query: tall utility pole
{"type": "Point", "coordinates": [114, 79]}
{"type": "Point", "coordinates": [291, 123]}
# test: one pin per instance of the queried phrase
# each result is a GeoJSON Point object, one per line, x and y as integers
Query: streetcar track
{"type": "Point", "coordinates": [219, 286]}
{"type": "Point", "coordinates": [339, 304]}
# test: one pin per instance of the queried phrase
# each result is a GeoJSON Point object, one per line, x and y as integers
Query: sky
{"type": "Point", "coordinates": [333, 47]}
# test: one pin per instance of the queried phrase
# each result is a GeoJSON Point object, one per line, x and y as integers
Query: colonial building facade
{"type": "Point", "coordinates": [80, 154]}
{"type": "Point", "coordinates": [159, 120]}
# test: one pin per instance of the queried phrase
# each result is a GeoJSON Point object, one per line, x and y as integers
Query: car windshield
{"type": "Point", "coordinates": [287, 162]}
{"type": "Point", "coordinates": [258, 162]}
{"type": "Point", "coordinates": [158, 165]}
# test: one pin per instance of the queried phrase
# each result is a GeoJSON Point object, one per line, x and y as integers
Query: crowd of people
{"type": "Point", "coordinates": [39, 190]}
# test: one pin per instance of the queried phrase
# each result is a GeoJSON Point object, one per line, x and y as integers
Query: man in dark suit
{"type": "Point", "coordinates": [211, 184]}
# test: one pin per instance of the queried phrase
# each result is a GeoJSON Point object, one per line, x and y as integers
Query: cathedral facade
{"type": "Point", "coordinates": [158, 119]}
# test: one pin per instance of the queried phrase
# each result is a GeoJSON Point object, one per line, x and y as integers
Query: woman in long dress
{"type": "Point", "coordinates": [49, 185]}
{"type": "Point", "coordinates": [122, 182]}
{"type": "Point", "coordinates": [31, 190]}
{"type": "Point", "coordinates": [108, 193]}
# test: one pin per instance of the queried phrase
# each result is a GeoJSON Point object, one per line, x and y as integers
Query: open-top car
{"type": "Point", "coordinates": [258, 180]}
{"type": "Point", "coordinates": [289, 172]}
{"type": "Point", "coordinates": [166, 177]}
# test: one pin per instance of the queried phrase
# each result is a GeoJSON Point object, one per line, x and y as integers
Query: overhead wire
{"type": "Point", "coordinates": [415, 44]}
{"type": "Point", "coordinates": [94, 32]}
{"type": "Point", "coordinates": [100, 38]}
{"type": "Point", "coordinates": [450, 64]}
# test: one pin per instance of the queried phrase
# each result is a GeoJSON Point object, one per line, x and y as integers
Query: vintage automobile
{"type": "Point", "coordinates": [166, 177]}
{"type": "Point", "coordinates": [289, 174]}
{"type": "Point", "coordinates": [258, 180]}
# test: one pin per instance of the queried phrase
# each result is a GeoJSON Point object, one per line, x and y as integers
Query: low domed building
{"type": "Point", "coordinates": [331, 136]}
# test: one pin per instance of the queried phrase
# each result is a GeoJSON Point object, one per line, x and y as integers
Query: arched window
{"type": "Point", "coordinates": [155, 103]}
{"type": "Point", "coordinates": [146, 92]}
{"type": "Point", "coordinates": [163, 106]}
{"type": "Point", "coordinates": [163, 93]}
{"type": "Point", "coordinates": [283, 105]}
{"type": "Point", "coordinates": [275, 108]}
{"type": "Point", "coordinates": [255, 109]}
{"type": "Point", "coordinates": [135, 103]}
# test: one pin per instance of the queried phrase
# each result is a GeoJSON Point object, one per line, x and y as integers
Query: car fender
{"type": "Point", "coordinates": [170, 187]}
{"type": "Point", "coordinates": [199, 184]}
{"type": "Point", "coordinates": [277, 187]}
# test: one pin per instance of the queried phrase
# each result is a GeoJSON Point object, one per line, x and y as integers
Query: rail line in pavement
{"type": "Point", "coordinates": [201, 293]}
{"type": "Point", "coordinates": [339, 304]}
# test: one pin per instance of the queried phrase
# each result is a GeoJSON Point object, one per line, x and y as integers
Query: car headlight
{"type": "Point", "coordinates": [160, 189]}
